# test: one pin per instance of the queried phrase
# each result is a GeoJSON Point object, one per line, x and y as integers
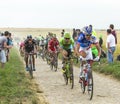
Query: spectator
{"type": "Point", "coordinates": [93, 31]}
{"type": "Point", "coordinates": [110, 44]}
{"type": "Point", "coordinates": [9, 43]}
{"type": "Point", "coordinates": [62, 33]}
{"type": "Point", "coordinates": [3, 45]}
{"type": "Point", "coordinates": [100, 41]}
{"type": "Point", "coordinates": [78, 32]}
{"type": "Point", "coordinates": [74, 35]}
{"type": "Point", "coordinates": [113, 32]}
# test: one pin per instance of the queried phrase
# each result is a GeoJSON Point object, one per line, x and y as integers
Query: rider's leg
{"type": "Point", "coordinates": [26, 61]}
{"type": "Point", "coordinates": [33, 62]}
{"type": "Point", "coordinates": [64, 54]}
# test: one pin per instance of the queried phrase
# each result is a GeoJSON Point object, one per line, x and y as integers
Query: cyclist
{"type": "Point", "coordinates": [66, 46]}
{"type": "Point", "coordinates": [53, 46]}
{"type": "Point", "coordinates": [30, 46]}
{"type": "Point", "coordinates": [83, 47]}
{"type": "Point", "coordinates": [21, 48]}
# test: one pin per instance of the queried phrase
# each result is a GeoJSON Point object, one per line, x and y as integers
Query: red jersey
{"type": "Point", "coordinates": [21, 44]}
{"type": "Point", "coordinates": [52, 45]}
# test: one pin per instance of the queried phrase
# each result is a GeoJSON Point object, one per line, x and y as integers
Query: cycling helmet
{"type": "Point", "coordinates": [29, 37]}
{"type": "Point", "coordinates": [67, 35]}
{"type": "Point", "coordinates": [87, 30]}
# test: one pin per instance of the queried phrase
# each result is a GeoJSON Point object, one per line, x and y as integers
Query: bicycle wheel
{"type": "Point", "coordinates": [30, 69]}
{"type": "Point", "coordinates": [55, 65]}
{"type": "Point", "coordinates": [90, 85]}
{"type": "Point", "coordinates": [71, 78]}
{"type": "Point", "coordinates": [51, 66]}
{"type": "Point", "coordinates": [42, 55]}
{"type": "Point", "coordinates": [83, 85]}
{"type": "Point", "coordinates": [65, 78]}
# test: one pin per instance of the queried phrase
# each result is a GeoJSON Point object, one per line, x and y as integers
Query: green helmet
{"type": "Point", "coordinates": [67, 35]}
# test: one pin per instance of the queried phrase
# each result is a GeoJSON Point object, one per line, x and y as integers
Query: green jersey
{"type": "Point", "coordinates": [65, 45]}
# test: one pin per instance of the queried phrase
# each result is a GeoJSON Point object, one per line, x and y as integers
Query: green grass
{"type": "Point", "coordinates": [15, 87]}
{"type": "Point", "coordinates": [108, 69]}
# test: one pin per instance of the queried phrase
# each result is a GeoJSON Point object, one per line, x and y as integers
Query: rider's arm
{"type": "Point", "coordinates": [77, 49]}
{"type": "Point", "coordinates": [35, 45]}
{"type": "Point", "coordinates": [98, 48]}
{"type": "Point", "coordinates": [95, 41]}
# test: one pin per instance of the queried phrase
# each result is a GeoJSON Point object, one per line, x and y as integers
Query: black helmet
{"type": "Point", "coordinates": [29, 37]}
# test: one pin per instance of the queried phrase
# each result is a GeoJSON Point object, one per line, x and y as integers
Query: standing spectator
{"type": "Point", "coordinates": [62, 33]}
{"type": "Point", "coordinates": [74, 35]}
{"type": "Point", "coordinates": [110, 44]}
{"type": "Point", "coordinates": [3, 45]}
{"type": "Point", "coordinates": [93, 31]}
{"type": "Point", "coordinates": [9, 43]}
{"type": "Point", "coordinates": [113, 32]}
{"type": "Point", "coordinates": [78, 31]}
{"type": "Point", "coordinates": [100, 41]}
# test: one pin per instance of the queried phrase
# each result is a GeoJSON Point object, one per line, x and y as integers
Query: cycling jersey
{"type": "Point", "coordinates": [66, 45]}
{"type": "Point", "coordinates": [94, 51]}
{"type": "Point", "coordinates": [84, 43]}
{"type": "Point", "coordinates": [29, 46]}
{"type": "Point", "coordinates": [52, 45]}
{"type": "Point", "coordinates": [21, 44]}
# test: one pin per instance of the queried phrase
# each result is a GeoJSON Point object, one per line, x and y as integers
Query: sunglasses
{"type": "Point", "coordinates": [88, 35]}
{"type": "Point", "coordinates": [67, 38]}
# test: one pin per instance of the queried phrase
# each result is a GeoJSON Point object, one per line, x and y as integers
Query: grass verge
{"type": "Point", "coordinates": [15, 86]}
{"type": "Point", "coordinates": [108, 69]}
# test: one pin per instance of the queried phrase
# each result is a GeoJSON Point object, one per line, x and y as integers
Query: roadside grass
{"type": "Point", "coordinates": [15, 86]}
{"type": "Point", "coordinates": [108, 69]}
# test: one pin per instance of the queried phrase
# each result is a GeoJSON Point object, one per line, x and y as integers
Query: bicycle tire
{"type": "Point", "coordinates": [51, 66]}
{"type": "Point", "coordinates": [65, 78]}
{"type": "Point", "coordinates": [43, 57]}
{"type": "Point", "coordinates": [83, 86]}
{"type": "Point", "coordinates": [71, 77]}
{"type": "Point", "coordinates": [30, 69]}
{"type": "Point", "coordinates": [55, 66]}
{"type": "Point", "coordinates": [90, 85]}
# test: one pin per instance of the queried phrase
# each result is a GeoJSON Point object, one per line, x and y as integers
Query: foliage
{"type": "Point", "coordinates": [15, 87]}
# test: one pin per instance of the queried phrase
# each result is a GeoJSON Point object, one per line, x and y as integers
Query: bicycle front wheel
{"type": "Point", "coordinates": [65, 78]}
{"type": "Point", "coordinates": [30, 68]}
{"type": "Point", "coordinates": [90, 85]}
{"type": "Point", "coordinates": [31, 71]}
{"type": "Point", "coordinates": [71, 78]}
{"type": "Point", "coordinates": [83, 85]}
